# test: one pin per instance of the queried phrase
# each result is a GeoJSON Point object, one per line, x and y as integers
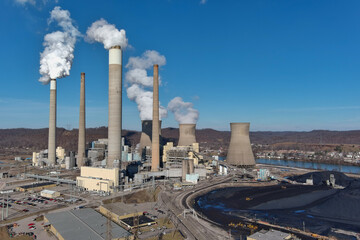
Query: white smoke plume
{"type": "Point", "coordinates": [139, 84]}
{"type": "Point", "coordinates": [183, 111]}
{"type": "Point", "coordinates": [58, 55]}
{"type": "Point", "coordinates": [107, 34]}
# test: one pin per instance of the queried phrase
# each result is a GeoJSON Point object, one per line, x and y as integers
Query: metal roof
{"type": "Point", "coordinates": [269, 235]}
{"type": "Point", "coordinates": [84, 224]}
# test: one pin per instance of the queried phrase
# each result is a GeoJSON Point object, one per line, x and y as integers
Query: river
{"type": "Point", "coordinates": [311, 165]}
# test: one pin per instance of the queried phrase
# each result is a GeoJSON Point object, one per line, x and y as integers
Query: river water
{"type": "Point", "coordinates": [311, 165]}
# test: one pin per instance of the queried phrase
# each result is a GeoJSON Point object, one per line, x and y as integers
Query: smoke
{"type": "Point", "coordinates": [107, 34]}
{"type": "Point", "coordinates": [58, 55]}
{"type": "Point", "coordinates": [139, 84]}
{"type": "Point", "coordinates": [183, 111]}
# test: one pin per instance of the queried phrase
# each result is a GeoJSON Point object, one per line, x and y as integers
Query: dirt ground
{"type": "Point", "coordinates": [5, 236]}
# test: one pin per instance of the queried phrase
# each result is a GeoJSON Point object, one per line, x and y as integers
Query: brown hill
{"type": "Point", "coordinates": [36, 139]}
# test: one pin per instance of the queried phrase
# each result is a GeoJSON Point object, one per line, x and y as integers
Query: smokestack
{"type": "Point", "coordinates": [52, 124]}
{"type": "Point", "coordinates": [240, 152]}
{"type": "Point", "coordinates": [155, 149]}
{"type": "Point", "coordinates": [187, 134]}
{"type": "Point", "coordinates": [146, 133]}
{"type": "Point", "coordinates": [115, 89]}
{"type": "Point", "coordinates": [81, 143]}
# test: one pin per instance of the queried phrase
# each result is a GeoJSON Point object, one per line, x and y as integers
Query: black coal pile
{"type": "Point", "coordinates": [344, 206]}
{"type": "Point", "coordinates": [320, 178]}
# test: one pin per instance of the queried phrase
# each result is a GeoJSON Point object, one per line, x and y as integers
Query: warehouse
{"type": "Point", "coordinates": [83, 224]}
{"type": "Point", "coordinates": [35, 186]}
{"type": "Point", "coordinates": [49, 193]}
{"type": "Point", "coordinates": [125, 215]}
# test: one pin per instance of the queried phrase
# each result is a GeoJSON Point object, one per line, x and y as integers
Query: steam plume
{"type": "Point", "coordinates": [107, 34]}
{"type": "Point", "coordinates": [183, 111]}
{"type": "Point", "coordinates": [57, 57]}
{"type": "Point", "coordinates": [139, 84]}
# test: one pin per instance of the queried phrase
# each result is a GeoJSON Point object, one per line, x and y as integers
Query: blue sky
{"type": "Point", "coordinates": [280, 65]}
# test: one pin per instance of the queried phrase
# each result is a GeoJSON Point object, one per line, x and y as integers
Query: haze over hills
{"type": "Point", "coordinates": [36, 139]}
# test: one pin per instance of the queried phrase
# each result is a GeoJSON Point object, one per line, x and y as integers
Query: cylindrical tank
{"type": "Point", "coordinates": [115, 95]}
{"type": "Point", "coordinates": [186, 134]}
{"type": "Point", "coordinates": [240, 152]}
{"type": "Point", "coordinates": [82, 137]}
{"type": "Point", "coordinates": [52, 124]}
{"type": "Point", "coordinates": [155, 149]}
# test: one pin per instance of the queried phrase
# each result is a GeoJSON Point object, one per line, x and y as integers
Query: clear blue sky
{"type": "Point", "coordinates": [281, 65]}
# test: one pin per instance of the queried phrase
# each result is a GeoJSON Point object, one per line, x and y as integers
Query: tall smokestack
{"type": "Point", "coordinates": [52, 124]}
{"type": "Point", "coordinates": [115, 89]}
{"type": "Point", "coordinates": [81, 143]}
{"type": "Point", "coordinates": [240, 152]}
{"type": "Point", "coordinates": [155, 149]}
{"type": "Point", "coordinates": [187, 134]}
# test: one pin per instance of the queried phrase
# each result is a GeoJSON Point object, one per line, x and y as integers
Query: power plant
{"type": "Point", "coordinates": [82, 136]}
{"type": "Point", "coordinates": [115, 101]}
{"type": "Point", "coordinates": [186, 134]}
{"type": "Point", "coordinates": [240, 152]}
{"type": "Point", "coordinates": [52, 124]}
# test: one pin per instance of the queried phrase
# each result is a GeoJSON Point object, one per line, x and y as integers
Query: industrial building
{"type": "Point", "coordinates": [83, 224]}
{"type": "Point", "coordinates": [125, 214]}
{"type": "Point", "coordinates": [35, 186]}
{"type": "Point", "coordinates": [270, 235]}
{"type": "Point", "coordinates": [49, 193]}
{"type": "Point", "coordinates": [98, 179]}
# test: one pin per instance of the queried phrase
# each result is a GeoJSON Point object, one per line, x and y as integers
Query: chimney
{"type": "Point", "coordinates": [240, 152]}
{"type": "Point", "coordinates": [155, 149]}
{"type": "Point", "coordinates": [52, 124]}
{"type": "Point", "coordinates": [115, 95]}
{"type": "Point", "coordinates": [81, 143]}
{"type": "Point", "coordinates": [187, 134]}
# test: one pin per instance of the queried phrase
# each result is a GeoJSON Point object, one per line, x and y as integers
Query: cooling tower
{"type": "Point", "coordinates": [187, 134]}
{"type": "Point", "coordinates": [114, 125]}
{"type": "Point", "coordinates": [146, 133]}
{"type": "Point", "coordinates": [81, 143]}
{"type": "Point", "coordinates": [155, 149]}
{"type": "Point", "coordinates": [240, 152]}
{"type": "Point", "coordinates": [52, 124]}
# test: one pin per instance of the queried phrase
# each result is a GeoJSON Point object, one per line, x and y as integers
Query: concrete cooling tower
{"type": "Point", "coordinates": [187, 134]}
{"type": "Point", "coordinates": [146, 133]}
{"type": "Point", "coordinates": [115, 95]}
{"type": "Point", "coordinates": [240, 152]}
{"type": "Point", "coordinates": [52, 124]}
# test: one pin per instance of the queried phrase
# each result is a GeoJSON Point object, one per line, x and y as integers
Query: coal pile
{"type": "Point", "coordinates": [320, 178]}
{"type": "Point", "coordinates": [344, 206]}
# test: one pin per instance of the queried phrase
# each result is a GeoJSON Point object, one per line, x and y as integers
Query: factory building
{"type": "Point", "coordinates": [98, 179]}
{"type": "Point", "coordinates": [174, 155]}
{"type": "Point", "coordinates": [271, 235]}
{"type": "Point", "coordinates": [83, 224]}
